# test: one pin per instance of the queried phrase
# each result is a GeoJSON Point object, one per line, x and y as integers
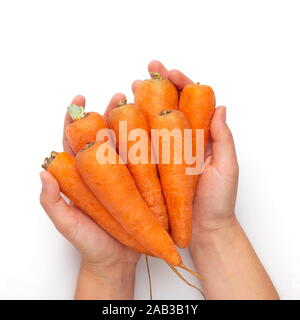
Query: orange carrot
{"type": "Point", "coordinates": [144, 174]}
{"type": "Point", "coordinates": [113, 185]}
{"type": "Point", "coordinates": [84, 127]}
{"type": "Point", "coordinates": [198, 103]}
{"type": "Point", "coordinates": [63, 167]}
{"type": "Point", "coordinates": [177, 185]}
{"type": "Point", "coordinates": [155, 95]}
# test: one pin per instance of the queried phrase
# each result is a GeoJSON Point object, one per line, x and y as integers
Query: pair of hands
{"type": "Point", "coordinates": [213, 205]}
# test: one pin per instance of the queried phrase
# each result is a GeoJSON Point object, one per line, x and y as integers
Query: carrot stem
{"type": "Point", "coordinates": [122, 103]}
{"type": "Point", "coordinates": [164, 112]}
{"type": "Point", "coordinates": [155, 75]}
{"type": "Point", "coordinates": [186, 281]}
{"type": "Point", "coordinates": [48, 160]}
{"type": "Point", "coordinates": [76, 112]}
{"type": "Point", "coordinates": [149, 277]}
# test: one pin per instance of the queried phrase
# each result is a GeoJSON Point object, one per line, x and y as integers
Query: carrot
{"type": "Point", "coordinates": [84, 127]}
{"type": "Point", "coordinates": [198, 103]}
{"type": "Point", "coordinates": [177, 185]}
{"type": "Point", "coordinates": [155, 95]}
{"type": "Point", "coordinates": [144, 174]}
{"type": "Point", "coordinates": [63, 167]}
{"type": "Point", "coordinates": [113, 185]}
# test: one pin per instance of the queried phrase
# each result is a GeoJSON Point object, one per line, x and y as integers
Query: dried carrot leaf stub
{"type": "Point", "coordinates": [48, 160]}
{"type": "Point", "coordinates": [84, 127]}
{"type": "Point", "coordinates": [76, 112]}
{"type": "Point", "coordinates": [63, 167]}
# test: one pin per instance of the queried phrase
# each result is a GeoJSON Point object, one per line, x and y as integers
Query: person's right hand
{"type": "Point", "coordinates": [102, 257]}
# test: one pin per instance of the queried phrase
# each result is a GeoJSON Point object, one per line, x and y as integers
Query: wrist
{"type": "Point", "coordinates": [206, 234]}
{"type": "Point", "coordinates": [98, 281]}
{"type": "Point", "coordinates": [116, 271]}
{"type": "Point", "coordinates": [229, 265]}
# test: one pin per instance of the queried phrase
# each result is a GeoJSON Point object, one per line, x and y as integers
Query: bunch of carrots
{"type": "Point", "coordinates": [150, 208]}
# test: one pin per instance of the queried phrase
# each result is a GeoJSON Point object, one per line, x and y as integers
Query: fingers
{"type": "Point", "coordinates": [80, 101]}
{"type": "Point", "coordinates": [65, 142]}
{"type": "Point", "coordinates": [223, 149]}
{"type": "Point", "coordinates": [179, 79]}
{"type": "Point", "coordinates": [153, 66]}
{"type": "Point", "coordinates": [134, 85]}
{"type": "Point", "coordinates": [56, 208]}
{"type": "Point", "coordinates": [156, 66]}
{"type": "Point", "coordinates": [70, 221]}
{"type": "Point", "coordinates": [113, 103]}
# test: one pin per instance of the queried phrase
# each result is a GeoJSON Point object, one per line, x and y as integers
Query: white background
{"type": "Point", "coordinates": [248, 51]}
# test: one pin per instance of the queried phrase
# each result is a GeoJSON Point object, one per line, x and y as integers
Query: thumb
{"type": "Point", "coordinates": [223, 149]}
{"type": "Point", "coordinates": [50, 194]}
{"type": "Point", "coordinates": [55, 206]}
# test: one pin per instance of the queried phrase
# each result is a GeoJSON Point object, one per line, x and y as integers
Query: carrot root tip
{"type": "Point", "coordinates": [182, 266]}
{"type": "Point", "coordinates": [149, 277]}
{"type": "Point", "coordinates": [186, 281]}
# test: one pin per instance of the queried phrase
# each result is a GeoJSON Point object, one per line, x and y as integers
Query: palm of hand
{"type": "Point", "coordinates": [96, 245]}
{"type": "Point", "coordinates": [215, 195]}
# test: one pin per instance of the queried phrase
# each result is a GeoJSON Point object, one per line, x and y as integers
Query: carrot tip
{"type": "Point", "coordinates": [182, 266]}
{"type": "Point", "coordinates": [186, 281]}
{"type": "Point", "coordinates": [149, 277]}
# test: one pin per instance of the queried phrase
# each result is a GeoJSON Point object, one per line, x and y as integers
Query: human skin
{"type": "Point", "coordinates": [107, 268]}
{"type": "Point", "coordinates": [220, 249]}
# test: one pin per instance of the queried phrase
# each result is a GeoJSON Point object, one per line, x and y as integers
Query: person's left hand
{"type": "Point", "coordinates": [217, 186]}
